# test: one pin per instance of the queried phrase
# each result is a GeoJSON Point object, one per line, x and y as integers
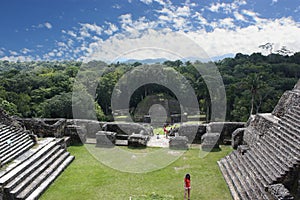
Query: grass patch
{"type": "Point", "coordinates": [86, 178]}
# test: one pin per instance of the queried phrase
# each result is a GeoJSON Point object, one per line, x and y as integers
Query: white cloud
{"type": "Point", "coordinates": [48, 25]}
{"type": "Point", "coordinates": [183, 11]}
{"type": "Point", "coordinates": [146, 1]}
{"type": "Point", "coordinates": [18, 58]}
{"type": "Point", "coordinates": [225, 39]}
{"type": "Point", "coordinates": [2, 53]}
{"type": "Point", "coordinates": [117, 6]}
{"type": "Point", "coordinates": [26, 51]}
{"type": "Point", "coordinates": [125, 19]}
{"type": "Point", "coordinates": [226, 23]}
{"type": "Point", "coordinates": [238, 16]}
{"type": "Point", "coordinates": [90, 27]}
{"type": "Point", "coordinates": [72, 33]}
{"type": "Point", "coordinates": [13, 53]}
{"type": "Point", "coordinates": [112, 28]}
{"type": "Point", "coordinates": [226, 7]}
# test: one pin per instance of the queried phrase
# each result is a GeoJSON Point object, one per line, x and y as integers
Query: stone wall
{"type": "Point", "coordinates": [287, 100]}
{"type": "Point", "coordinates": [91, 126]}
{"type": "Point", "coordinates": [122, 128]}
{"type": "Point", "coordinates": [225, 129]}
{"type": "Point", "coordinates": [45, 127]}
{"type": "Point", "coordinates": [8, 120]}
{"type": "Point", "coordinates": [194, 132]}
{"type": "Point", "coordinates": [258, 126]}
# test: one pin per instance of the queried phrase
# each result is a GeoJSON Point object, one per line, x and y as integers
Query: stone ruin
{"type": "Point", "coordinates": [179, 142]}
{"type": "Point", "coordinates": [27, 165]}
{"type": "Point", "coordinates": [105, 139]}
{"type": "Point", "coordinates": [266, 164]}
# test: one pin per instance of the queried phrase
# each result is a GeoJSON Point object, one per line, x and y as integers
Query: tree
{"type": "Point", "coordinates": [268, 47]}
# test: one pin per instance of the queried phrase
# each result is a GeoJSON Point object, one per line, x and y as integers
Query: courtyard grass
{"type": "Point", "coordinates": [87, 178]}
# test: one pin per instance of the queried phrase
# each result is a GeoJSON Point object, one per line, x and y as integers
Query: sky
{"type": "Point", "coordinates": [111, 30]}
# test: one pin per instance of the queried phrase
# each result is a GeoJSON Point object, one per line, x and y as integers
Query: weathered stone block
{"type": "Point", "coordinates": [179, 142]}
{"type": "Point", "coordinates": [105, 139]}
{"type": "Point", "coordinates": [243, 149]}
{"type": "Point", "coordinates": [225, 129]}
{"type": "Point", "coordinates": [210, 141]}
{"type": "Point", "coordinates": [76, 133]}
{"type": "Point", "coordinates": [138, 140]}
{"type": "Point", "coordinates": [279, 192]}
{"type": "Point", "coordinates": [127, 128]}
{"type": "Point", "coordinates": [237, 137]}
{"type": "Point", "coordinates": [193, 132]}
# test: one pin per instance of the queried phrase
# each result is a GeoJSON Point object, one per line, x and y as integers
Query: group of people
{"type": "Point", "coordinates": [168, 129]}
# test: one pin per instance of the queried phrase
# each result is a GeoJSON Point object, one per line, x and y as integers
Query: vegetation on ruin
{"type": "Point", "coordinates": [253, 84]}
{"type": "Point", "coordinates": [87, 178]}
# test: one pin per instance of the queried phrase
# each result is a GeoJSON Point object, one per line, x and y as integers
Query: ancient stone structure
{"type": "Point", "coordinates": [43, 127]}
{"type": "Point", "coordinates": [124, 130]}
{"type": "Point", "coordinates": [178, 142]}
{"type": "Point", "coordinates": [138, 140]}
{"type": "Point", "coordinates": [13, 142]}
{"type": "Point", "coordinates": [267, 164]}
{"type": "Point", "coordinates": [194, 132]}
{"type": "Point", "coordinates": [210, 141]}
{"type": "Point", "coordinates": [105, 139]}
{"type": "Point", "coordinates": [225, 129]}
{"type": "Point", "coordinates": [32, 170]}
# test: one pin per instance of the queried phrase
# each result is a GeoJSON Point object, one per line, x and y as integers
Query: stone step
{"type": "Point", "coordinates": [287, 155]}
{"type": "Point", "coordinates": [14, 140]}
{"type": "Point", "coordinates": [14, 146]}
{"type": "Point", "coordinates": [292, 131]}
{"type": "Point", "coordinates": [264, 165]}
{"type": "Point", "coordinates": [275, 155]}
{"type": "Point", "coordinates": [18, 169]}
{"type": "Point", "coordinates": [293, 153]}
{"type": "Point", "coordinates": [30, 177]}
{"type": "Point", "coordinates": [46, 183]}
{"type": "Point", "coordinates": [257, 184]}
{"type": "Point", "coordinates": [282, 153]}
{"type": "Point", "coordinates": [17, 152]}
{"type": "Point", "coordinates": [228, 178]}
{"type": "Point", "coordinates": [18, 179]}
{"type": "Point", "coordinates": [295, 110]}
{"type": "Point", "coordinates": [43, 176]}
{"type": "Point", "coordinates": [241, 175]}
{"type": "Point", "coordinates": [6, 148]}
{"type": "Point", "coordinates": [290, 141]}
{"type": "Point", "coordinates": [262, 174]}
{"type": "Point", "coordinates": [8, 134]}
{"type": "Point", "coordinates": [267, 157]}
{"type": "Point", "coordinates": [292, 119]}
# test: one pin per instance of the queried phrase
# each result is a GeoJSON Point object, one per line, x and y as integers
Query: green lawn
{"type": "Point", "coordinates": [86, 178]}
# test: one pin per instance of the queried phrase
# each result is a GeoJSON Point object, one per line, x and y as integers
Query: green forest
{"type": "Point", "coordinates": [253, 83]}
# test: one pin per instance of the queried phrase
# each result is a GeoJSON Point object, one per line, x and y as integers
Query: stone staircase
{"type": "Point", "coordinates": [28, 176]}
{"type": "Point", "coordinates": [269, 157]}
{"type": "Point", "coordinates": [13, 143]}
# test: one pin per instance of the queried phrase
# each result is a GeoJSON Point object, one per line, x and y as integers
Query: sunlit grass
{"type": "Point", "coordinates": [86, 178]}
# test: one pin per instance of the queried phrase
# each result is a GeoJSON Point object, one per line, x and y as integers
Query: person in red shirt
{"type": "Point", "coordinates": [187, 185]}
{"type": "Point", "coordinates": [166, 131]}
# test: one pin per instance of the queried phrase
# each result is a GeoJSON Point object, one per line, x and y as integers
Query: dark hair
{"type": "Point", "coordinates": [188, 176]}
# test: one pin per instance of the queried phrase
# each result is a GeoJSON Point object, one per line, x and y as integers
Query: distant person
{"type": "Point", "coordinates": [187, 186]}
{"type": "Point", "coordinates": [166, 131]}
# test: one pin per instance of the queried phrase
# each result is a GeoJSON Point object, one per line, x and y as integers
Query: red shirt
{"type": "Point", "coordinates": [187, 182]}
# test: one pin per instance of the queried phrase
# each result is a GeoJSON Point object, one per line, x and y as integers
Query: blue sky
{"type": "Point", "coordinates": [105, 29]}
